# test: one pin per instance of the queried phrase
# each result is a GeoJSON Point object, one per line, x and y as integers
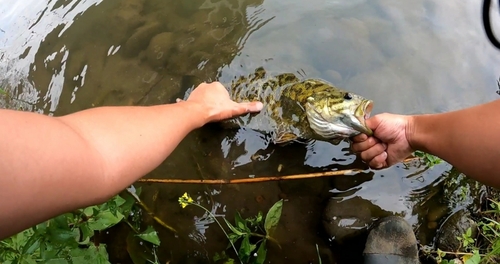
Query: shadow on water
{"type": "Point", "coordinates": [65, 56]}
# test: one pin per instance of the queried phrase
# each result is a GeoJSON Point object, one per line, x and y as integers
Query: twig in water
{"type": "Point", "coordinates": [150, 213]}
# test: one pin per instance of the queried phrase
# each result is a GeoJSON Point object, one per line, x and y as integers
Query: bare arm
{"type": "Point", "coordinates": [469, 139]}
{"type": "Point", "coordinates": [51, 165]}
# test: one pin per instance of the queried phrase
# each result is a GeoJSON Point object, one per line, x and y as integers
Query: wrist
{"type": "Point", "coordinates": [415, 133]}
{"type": "Point", "coordinates": [198, 113]}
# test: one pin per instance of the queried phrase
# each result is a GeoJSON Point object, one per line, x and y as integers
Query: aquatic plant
{"type": "Point", "coordinates": [70, 237]}
{"type": "Point", "coordinates": [483, 249]}
{"type": "Point", "coordinates": [428, 159]}
{"type": "Point", "coordinates": [245, 230]}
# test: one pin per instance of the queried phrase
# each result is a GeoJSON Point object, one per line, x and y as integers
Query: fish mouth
{"type": "Point", "coordinates": [363, 112]}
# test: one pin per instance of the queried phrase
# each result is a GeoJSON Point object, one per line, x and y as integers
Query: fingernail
{"type": "Point", "coordinates": [257, 106]}
{"type": "Point", "coordinates": [384, 146]}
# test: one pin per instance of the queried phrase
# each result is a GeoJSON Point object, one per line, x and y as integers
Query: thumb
{"type": "Point", "coordinates": [374, 121]}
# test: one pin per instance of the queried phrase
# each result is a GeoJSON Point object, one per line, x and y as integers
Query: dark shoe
{"type": "Point", "coordinates": [391, 241]}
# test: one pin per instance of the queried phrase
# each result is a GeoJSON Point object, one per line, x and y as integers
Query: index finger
{"type": "Point", "coordinates": [359, 138]}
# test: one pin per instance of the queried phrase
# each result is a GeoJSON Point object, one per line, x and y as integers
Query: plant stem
{"type": "Point", "coordinates": [457, 253]}
{"type": "Point", "coordinates": [217, 221]}
{"type": "Point", "coordinates": [150, 213]}
{"type": "Point", "coordinates": [266, 237]}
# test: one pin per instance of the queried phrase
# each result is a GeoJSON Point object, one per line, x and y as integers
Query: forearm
{"type": "Point", "coordinates": [54, 164]}
{"type": "Point", "coordinates": [469, 139]}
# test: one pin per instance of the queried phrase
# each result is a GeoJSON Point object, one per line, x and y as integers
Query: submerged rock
{"type": "Point", "coordinates": [159, 49]}
{"type": "Point", "coordinates": [454, 226]}
{"type": "Point", "coordinates": [140, 39]}
{"type": "Point", "coordinates": [348, 219]}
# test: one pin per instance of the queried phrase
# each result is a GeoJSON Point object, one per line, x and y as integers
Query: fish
{"type": "Point", "coordinates": [297, 109]}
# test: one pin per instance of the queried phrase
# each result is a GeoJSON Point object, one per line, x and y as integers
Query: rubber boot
{"type": "Point", "coordinates": [391, 241]}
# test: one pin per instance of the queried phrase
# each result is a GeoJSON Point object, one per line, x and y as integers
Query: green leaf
{"type": "Point", "coordinates": [31, 245]}
{"type": "Point", "coordinates": [245, 249]}
{"type": "Point", "coordinates": [240, 223]}
{"type": "Point", "coordinates": [104, 220]}
{"type": "Point", "coordinates": [261, 253]}
{"type": "Point", "coordinates": [273, 217]}
{"type": "Point", "coordinates": [87, 232]}
{"type": "Point", "coordinates": [258, 219]}
{"type": "Point", "coordinates": [234, 229]}
{"type": "Point", "coordinates": [92, 254]}
{"type": "Point", "coordinates": [63, 236]}
{"type": "Point", "coordinates": [468, 232]}
{"type": "Point", "coordinates": [119, 201]}
{"type": "Point", "coordinates": [475, 259]}
{"type": "Point", "coordinates": [89, 211]}
{"type": "Point", "coordinates": [2, 91]}
{"type": "Point", "coordinates": [126, 207]}
{"type": "Point", "coordinates": [233, 238]}
{"type": "Point", "coordinates": [28, 260]}
{"type": "Point", "coordinates": [150, 235]}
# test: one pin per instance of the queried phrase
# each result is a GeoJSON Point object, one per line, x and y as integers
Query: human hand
{"type": "Point", "coordinates": [389, 143]}
{"type": "Point", "coordinates": [215, 102]}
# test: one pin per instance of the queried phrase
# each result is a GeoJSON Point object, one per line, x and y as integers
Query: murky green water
{"type": "Point", "coordinates": [57, 57]}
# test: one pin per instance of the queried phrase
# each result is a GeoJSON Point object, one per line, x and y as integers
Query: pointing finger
{"type": "Point", "coordinates": [250, 107]}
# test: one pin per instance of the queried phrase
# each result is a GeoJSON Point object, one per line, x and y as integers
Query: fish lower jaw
{"type": "Point", "coordinates": [332, 131]}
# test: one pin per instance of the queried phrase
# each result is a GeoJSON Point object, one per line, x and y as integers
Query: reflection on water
{"type": "Point", "coordinates": [58, 57]}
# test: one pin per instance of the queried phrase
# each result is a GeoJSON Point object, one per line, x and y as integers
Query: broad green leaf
{"type": "Point", "coordinates": [61, 222]}
{"type": "Point", "coordinates": [63, 236]}
{"type": "Point", "coordinates": [92, 254]}
{"type": "Point", "coordinates": [119, 201]}
{"type": "Point", "coordinates": [273, 217]}
{"type": "Point", "coordinates": [87, 232]}
{"type": "Point", "coordinates": [150, 235]}
{"type": "Point", "coordinates": [245, 249]}
{"type": "Point", "coordinates": [110, 206]}
{"type": "Point", "coordinates": [40, 228]}
{"type": "Point", "coordinates": [126, 207]}
{"type": "Point", "coordinates": [138, 251]}
{"type": "Point", "coordinates": [104, 220]}
{"type": "Point", "coordinates": [89, 211]}
{"type": "Point", "coordinates": [234, 229]}
{"type": "Point", "coordinates": [261, 253]}
{"type": "Point", "coordinates": [475, 259]}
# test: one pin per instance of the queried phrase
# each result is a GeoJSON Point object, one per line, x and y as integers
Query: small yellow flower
{"type": "Point", "coordinates": [185, 200]}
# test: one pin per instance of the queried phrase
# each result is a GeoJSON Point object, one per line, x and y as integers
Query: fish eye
{"type": "Point", "coordinates": [347, 96]}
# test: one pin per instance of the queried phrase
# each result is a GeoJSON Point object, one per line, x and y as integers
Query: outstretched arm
{"type": "Point", "coordinates": [469, 139]}
{"type": "Point", "coordinates": [51, 165]}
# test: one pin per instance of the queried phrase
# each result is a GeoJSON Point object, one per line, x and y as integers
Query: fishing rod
{"type": "Point", "coordinates": [487, 23]}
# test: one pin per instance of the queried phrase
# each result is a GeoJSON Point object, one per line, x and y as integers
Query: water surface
{"type": "Point", "coordinates": [58, 57]}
